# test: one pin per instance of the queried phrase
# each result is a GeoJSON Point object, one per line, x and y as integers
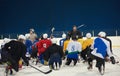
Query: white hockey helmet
{"type": "Point", "coordinates": [32, 30]}
{"type": "Point", "coordinates": [88, 35]}
{"type": "Point", "coordinates": [63, 35]}
{"type": "Point", "coordinates": [102, 34]}
{"type": "Point", "coordinates": [45, 35]}
{"type": "Point", "coordinates": [27, 36]}
{"type": "Point", "coordinates": [54, 41]}
{"type": "Point", "coordinates": [21, 37]}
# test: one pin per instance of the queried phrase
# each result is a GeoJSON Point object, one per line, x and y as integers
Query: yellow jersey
{"type": "Point", "coordinates": [87, 43]}
{"type": "Point", "coordinates": [65, 45]}
{"type": "Point", "coordinates": [80, 41]}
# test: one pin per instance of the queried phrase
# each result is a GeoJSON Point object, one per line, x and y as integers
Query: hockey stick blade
{"type": "Point", "coordinates": [41, 70]}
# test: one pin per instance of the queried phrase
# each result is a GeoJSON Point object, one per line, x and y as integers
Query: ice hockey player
{"type": "Point", "coordinates": [28, 44]}
{"type": "Point", "coordinates": [15, 50]}
{"type": "Point", "coordinates": [33, 35]}
{"type": "Point", "coordinates": [42, 45]}
{"type": "Point", "coordinates": [54, 55]}
{"type": "Point", "coordinates": [110, 42]}
{"type": "Point", "coordinates": [86, 47]}
{"type": "Point", "coordinates": [73, 49]}
{"type": "Point", "coordinates": [62, 40]}
{"type": "Point", "coordinates": [101, 47]}
{"type": "Point", "coordinates": [74, 32]}
{"type": "Point", "coordinates": [34, 49]}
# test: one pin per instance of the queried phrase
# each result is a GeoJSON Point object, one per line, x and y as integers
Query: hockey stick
{"type": "Point", "coordinates": [80, 26]}
{"type": "Point", "coordinates": [41, 70]}
{"type": "Point", "coordinates": [52, 30]}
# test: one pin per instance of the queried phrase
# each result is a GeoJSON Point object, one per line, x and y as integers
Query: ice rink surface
{"type": "Point", "coordinates": [79, 70]}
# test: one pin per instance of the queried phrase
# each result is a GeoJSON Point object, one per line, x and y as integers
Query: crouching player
{"type": "Point", "coordinates": [101, 48]}
{"type": "Point", "coordinates": [73, 50]}
{"type": "Point", "coordinates": [42, 45]}
{"type": "Point", "coordinates": [13, 51]}
{"type": "Point", "coordinates": [54, 55]}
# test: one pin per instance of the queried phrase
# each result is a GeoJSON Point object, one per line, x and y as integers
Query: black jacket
{"type": "Point", "coordinates": [75, 34]}
{"type": "Point", "coordinates": [15, 50]}
{"type": "Point", "coordinates": [52, 50]}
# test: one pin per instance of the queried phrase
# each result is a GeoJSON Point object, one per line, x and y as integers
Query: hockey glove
{"type": "Point", "coordinates": [112, 60]}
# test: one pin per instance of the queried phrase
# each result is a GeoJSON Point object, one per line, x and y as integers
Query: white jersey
{"type": "Point", "coordinates": [74, 46]}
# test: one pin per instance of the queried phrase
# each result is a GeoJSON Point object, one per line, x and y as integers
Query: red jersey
{"type": "Point", "coordinates": [42, 45]}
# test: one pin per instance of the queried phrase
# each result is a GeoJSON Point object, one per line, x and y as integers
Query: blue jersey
{"type": "Point", "coordinates": [101, 48]}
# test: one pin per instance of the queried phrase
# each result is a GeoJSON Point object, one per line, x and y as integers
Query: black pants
{"type": "Point", "coordinates": [99, 61]}
{"type": "Point", "coordinates": [69, 60]}
{"type": "Point", "coordinates": [55, 58]}
{"type": "Point", "coordinates": [34, 54]}
{"type": "Point", "coordinates": [86, 53]}
{"type": "Point", "coordinates": [6, 57]}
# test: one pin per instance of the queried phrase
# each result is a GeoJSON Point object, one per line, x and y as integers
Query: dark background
{"type": "Point", "coordinates": [18, 16]}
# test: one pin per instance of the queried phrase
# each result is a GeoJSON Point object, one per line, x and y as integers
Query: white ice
{"type": "Point", "coordinates": [79, 70]}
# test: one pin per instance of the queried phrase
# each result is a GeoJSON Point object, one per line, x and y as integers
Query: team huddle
{"type": "Point", "coordinates": [72, 47]}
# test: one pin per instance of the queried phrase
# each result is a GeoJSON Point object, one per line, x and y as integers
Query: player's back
{"type": "Point", "coordinates": [80, 40]}
{"type": "Point", "coordinates": [43, 45]}
{"type": "Point", "coordinates": [74, 46]}
{"type": "Point", "coordinates": [87, 43]}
